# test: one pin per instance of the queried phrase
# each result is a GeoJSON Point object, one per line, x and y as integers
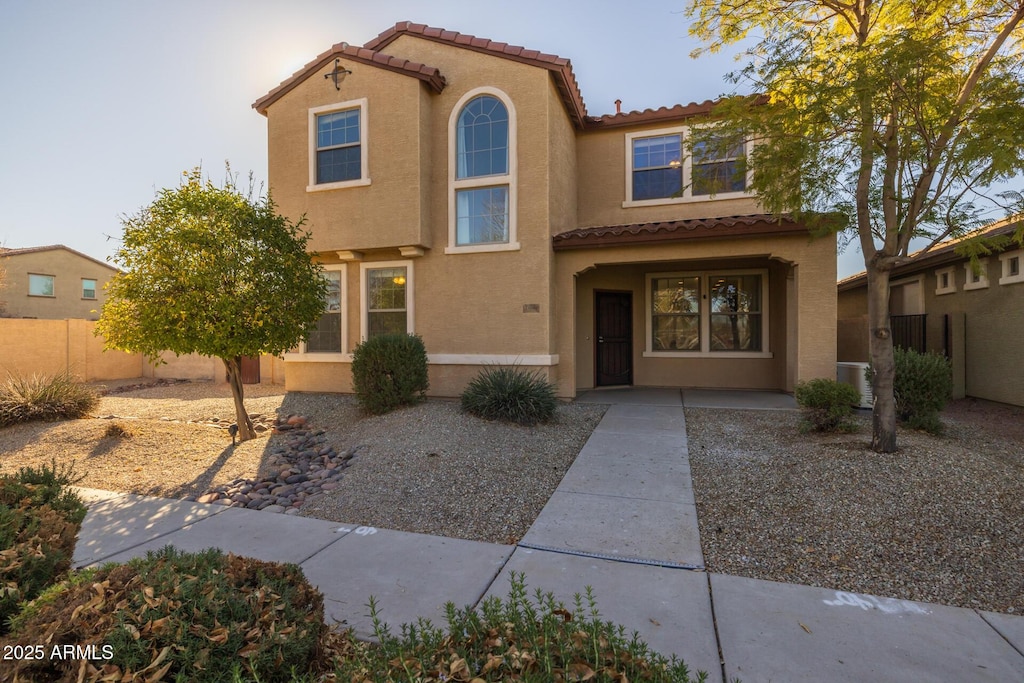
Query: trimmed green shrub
{"type": "Point", "coordinates": [39, 521]}
{"type": "Point", "coordinates": [389, 371]}
{"type": "Point", "coordinates": [827, 404]}
{"type": "Point", "coordinates": [510, 394]}
{"type": "Point", "coordinates": [922, 386]}
{"type": "Point", "coordinates": [536, 641]}
{"type": "Point", "coordinates": [44, 397]}
{"type": "Point", "coordinates": [179, 616]}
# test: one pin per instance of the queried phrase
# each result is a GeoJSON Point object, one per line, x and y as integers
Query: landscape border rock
{"type": "Point", "coordinates": [302, 465]}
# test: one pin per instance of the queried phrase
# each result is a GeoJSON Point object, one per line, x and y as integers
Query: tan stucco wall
{"type": "Point", "coordinates": [601, 159]}
{"type": "Point", "coordinates": [68, 269]}
{"type": "Point", "coordinates": [624, 269]}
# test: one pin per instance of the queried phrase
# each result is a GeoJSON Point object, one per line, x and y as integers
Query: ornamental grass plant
{"type": "Point", "coordinates": [44, 397]}
{"type": "Point", "coordinates": [510, 394]}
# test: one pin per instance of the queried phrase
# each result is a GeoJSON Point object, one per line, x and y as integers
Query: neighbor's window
{"type": "Point", "coordinates": [718, 166]}
{"type": "Point", "coordinates": [326, 338]}
{"type": "Point", "coordinates": [482, 151]}
{"type": "Point", "coordinates": [386, 301]}
{"type": "Point", "coordinates": [976, 277]}
{"type": "Point", "coordinates": [708, 313]}
{"type": "Point", "coordinates": [657, 167]}
{"type": "Point", "coordinates": [945, 281]}
{"type": "Point", "coordinates": [88, 289]}
{"type": "Point", "coordinates": [1011, 267]}
{"type": "Point", "coordinates": [40, 285]}
{"type": "Point", "coordinates": [338, 154]}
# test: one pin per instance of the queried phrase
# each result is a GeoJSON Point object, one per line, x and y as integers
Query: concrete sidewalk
{"type": "Point", "coordinates": [622, 521]}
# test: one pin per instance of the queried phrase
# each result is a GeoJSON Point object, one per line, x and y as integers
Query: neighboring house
{"type": "Point", "coordinates": [52, 282]}
{"type": "Point", "coordinates": [456, 188]}
{"type": "Point", "coordinates": [939, 302]}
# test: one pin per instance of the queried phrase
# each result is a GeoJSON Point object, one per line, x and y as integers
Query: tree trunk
{"type": "Point", "coordinates": [883, 365]}
{"type": "Point", "coordinates": [245, 428]}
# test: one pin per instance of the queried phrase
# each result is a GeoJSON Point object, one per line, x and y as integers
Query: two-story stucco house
{"type": "Point", "coordinates": [53, 282]}
{"type": "Point", "coordinates": [456, 188]}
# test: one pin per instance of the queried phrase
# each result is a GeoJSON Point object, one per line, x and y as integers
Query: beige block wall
{"type": "Point", "coordinates": [601, 159]}
{"type": "Point", "coordinates": [68, 269]}
{"type": "Point", "coordinates": [50, 346]}
{"type": "Point", "coordinates": [623, 268]}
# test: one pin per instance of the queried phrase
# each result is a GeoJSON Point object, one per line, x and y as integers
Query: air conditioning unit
{"type": "Point", "coordinates": [855, 375]}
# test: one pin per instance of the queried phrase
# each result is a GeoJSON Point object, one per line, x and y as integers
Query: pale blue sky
{"type": "Point", "coordinates": [107, 101]}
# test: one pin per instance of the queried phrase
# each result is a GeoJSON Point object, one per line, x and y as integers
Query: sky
{"type": "Point", "coordinates": [107, 102]}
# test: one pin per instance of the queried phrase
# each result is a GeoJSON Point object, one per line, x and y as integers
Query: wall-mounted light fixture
{"type": "Point", "coordinates": [337, 74]}
{"type": "Point", "coordinates": [399, 280]}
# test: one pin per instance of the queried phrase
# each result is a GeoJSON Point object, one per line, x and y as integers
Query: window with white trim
{"type": "Point", "coordinates": [328, 335]}
{"type": "Point", "coordinates": [709, 313]}
{"type": "Point", "coordinates": [337, 146]}
{"type": "Point", "coordinates": [88, 288]}
{"type": "Point", "coordinates": [1012, 266]}
{"type": "Point", "coordinates": [40, 285]}
{"type": "Point", "coordinates": [658, 171]}
{"type": "Point", "coordinates": [945, 281]}
{"type": "Point", "coordinates": [482, 176]}
{"type": "Point", "coordinates": [387, 298]}
{"type": "Point", "coordinates": [976, 277]}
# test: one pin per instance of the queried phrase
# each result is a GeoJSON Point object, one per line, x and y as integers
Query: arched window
{"type": "Point", "coordinates": [483, 138]}
{"type": "Point", "coordinates": [482, 180]}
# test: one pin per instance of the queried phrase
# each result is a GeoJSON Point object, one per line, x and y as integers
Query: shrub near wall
{"type": "Point", "coordinates": [389, 371]}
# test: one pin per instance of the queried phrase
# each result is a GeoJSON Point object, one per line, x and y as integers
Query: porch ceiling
{"type": "Point", "coordinates": [755, 225]}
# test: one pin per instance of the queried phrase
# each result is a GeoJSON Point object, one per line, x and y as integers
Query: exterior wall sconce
{"type": "Point", "coordinates": [337, 74]}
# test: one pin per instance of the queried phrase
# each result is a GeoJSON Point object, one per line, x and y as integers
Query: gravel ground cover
{"type": "Point", "coordinates": [941, 520]}
{"type": "Point", "coordinates": [427, 469]}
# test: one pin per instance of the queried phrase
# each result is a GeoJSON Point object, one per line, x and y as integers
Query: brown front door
{"type": "Point", "coordinates": [613, 322]}
{"type": "Point", "coordinates": [250, 369]}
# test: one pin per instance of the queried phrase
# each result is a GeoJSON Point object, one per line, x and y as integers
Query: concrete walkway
{"type": "Point", "coordinates": [622, 521]}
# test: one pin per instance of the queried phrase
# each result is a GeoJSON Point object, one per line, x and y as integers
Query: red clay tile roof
{"type": "Point", "coordinates": [560, 68]}
{"type": "Point", "coordinates": [674, 231]}
{"type": "Point", "coordinates": [5, 252]}
{"type": "Point", "coordinates": [428, 74]}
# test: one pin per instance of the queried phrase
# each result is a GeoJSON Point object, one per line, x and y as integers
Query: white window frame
{"type": "Point", "coordinates": [95, 288]}
{"type": "Point", "coordinates": [410, 319]}
{"type": "Point", "coordinates": [510, 179]}
{"type": "Point", "coordinates": [364, 145]}
{"type": "Point", "coordinates": [687, 161]}
{"type": "Point", "coordinates": [1004, 262]}
{"type": "Point", "coordinates": [705, 316]}
{"type": "Point", "coordinates": [302, 354]}
{"type": "Point", "coordinates": [950, 287]}
{"type": "Point", "coordinates": [53, 285]}
{"type": "Point", "coordinates": [982, 282]}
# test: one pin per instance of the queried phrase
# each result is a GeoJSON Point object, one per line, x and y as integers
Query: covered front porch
{"type": "Point", "coordinates": [725, 307]}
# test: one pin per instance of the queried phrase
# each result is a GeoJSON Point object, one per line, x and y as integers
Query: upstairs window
{"type": "Point", "coordinates": [657, 167]}
{"type": "Point", "coordinates": [338, 150]}
{"type": "Point", "coordinates": [88, 288]}
{"type": "Point", "coordinates": [1011, 267]}
{"type": "Point", "coordinates": [40, 285]}
{"type": "Point", "coordinates": [659, 170]}
{"type": "Point", "coordinates": [718, 167]}
{"type": "Point", "coordinates": [483, 175]}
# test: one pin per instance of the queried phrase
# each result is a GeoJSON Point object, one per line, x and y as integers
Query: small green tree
{"type": "Point", "coordinates": [214, 271]}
